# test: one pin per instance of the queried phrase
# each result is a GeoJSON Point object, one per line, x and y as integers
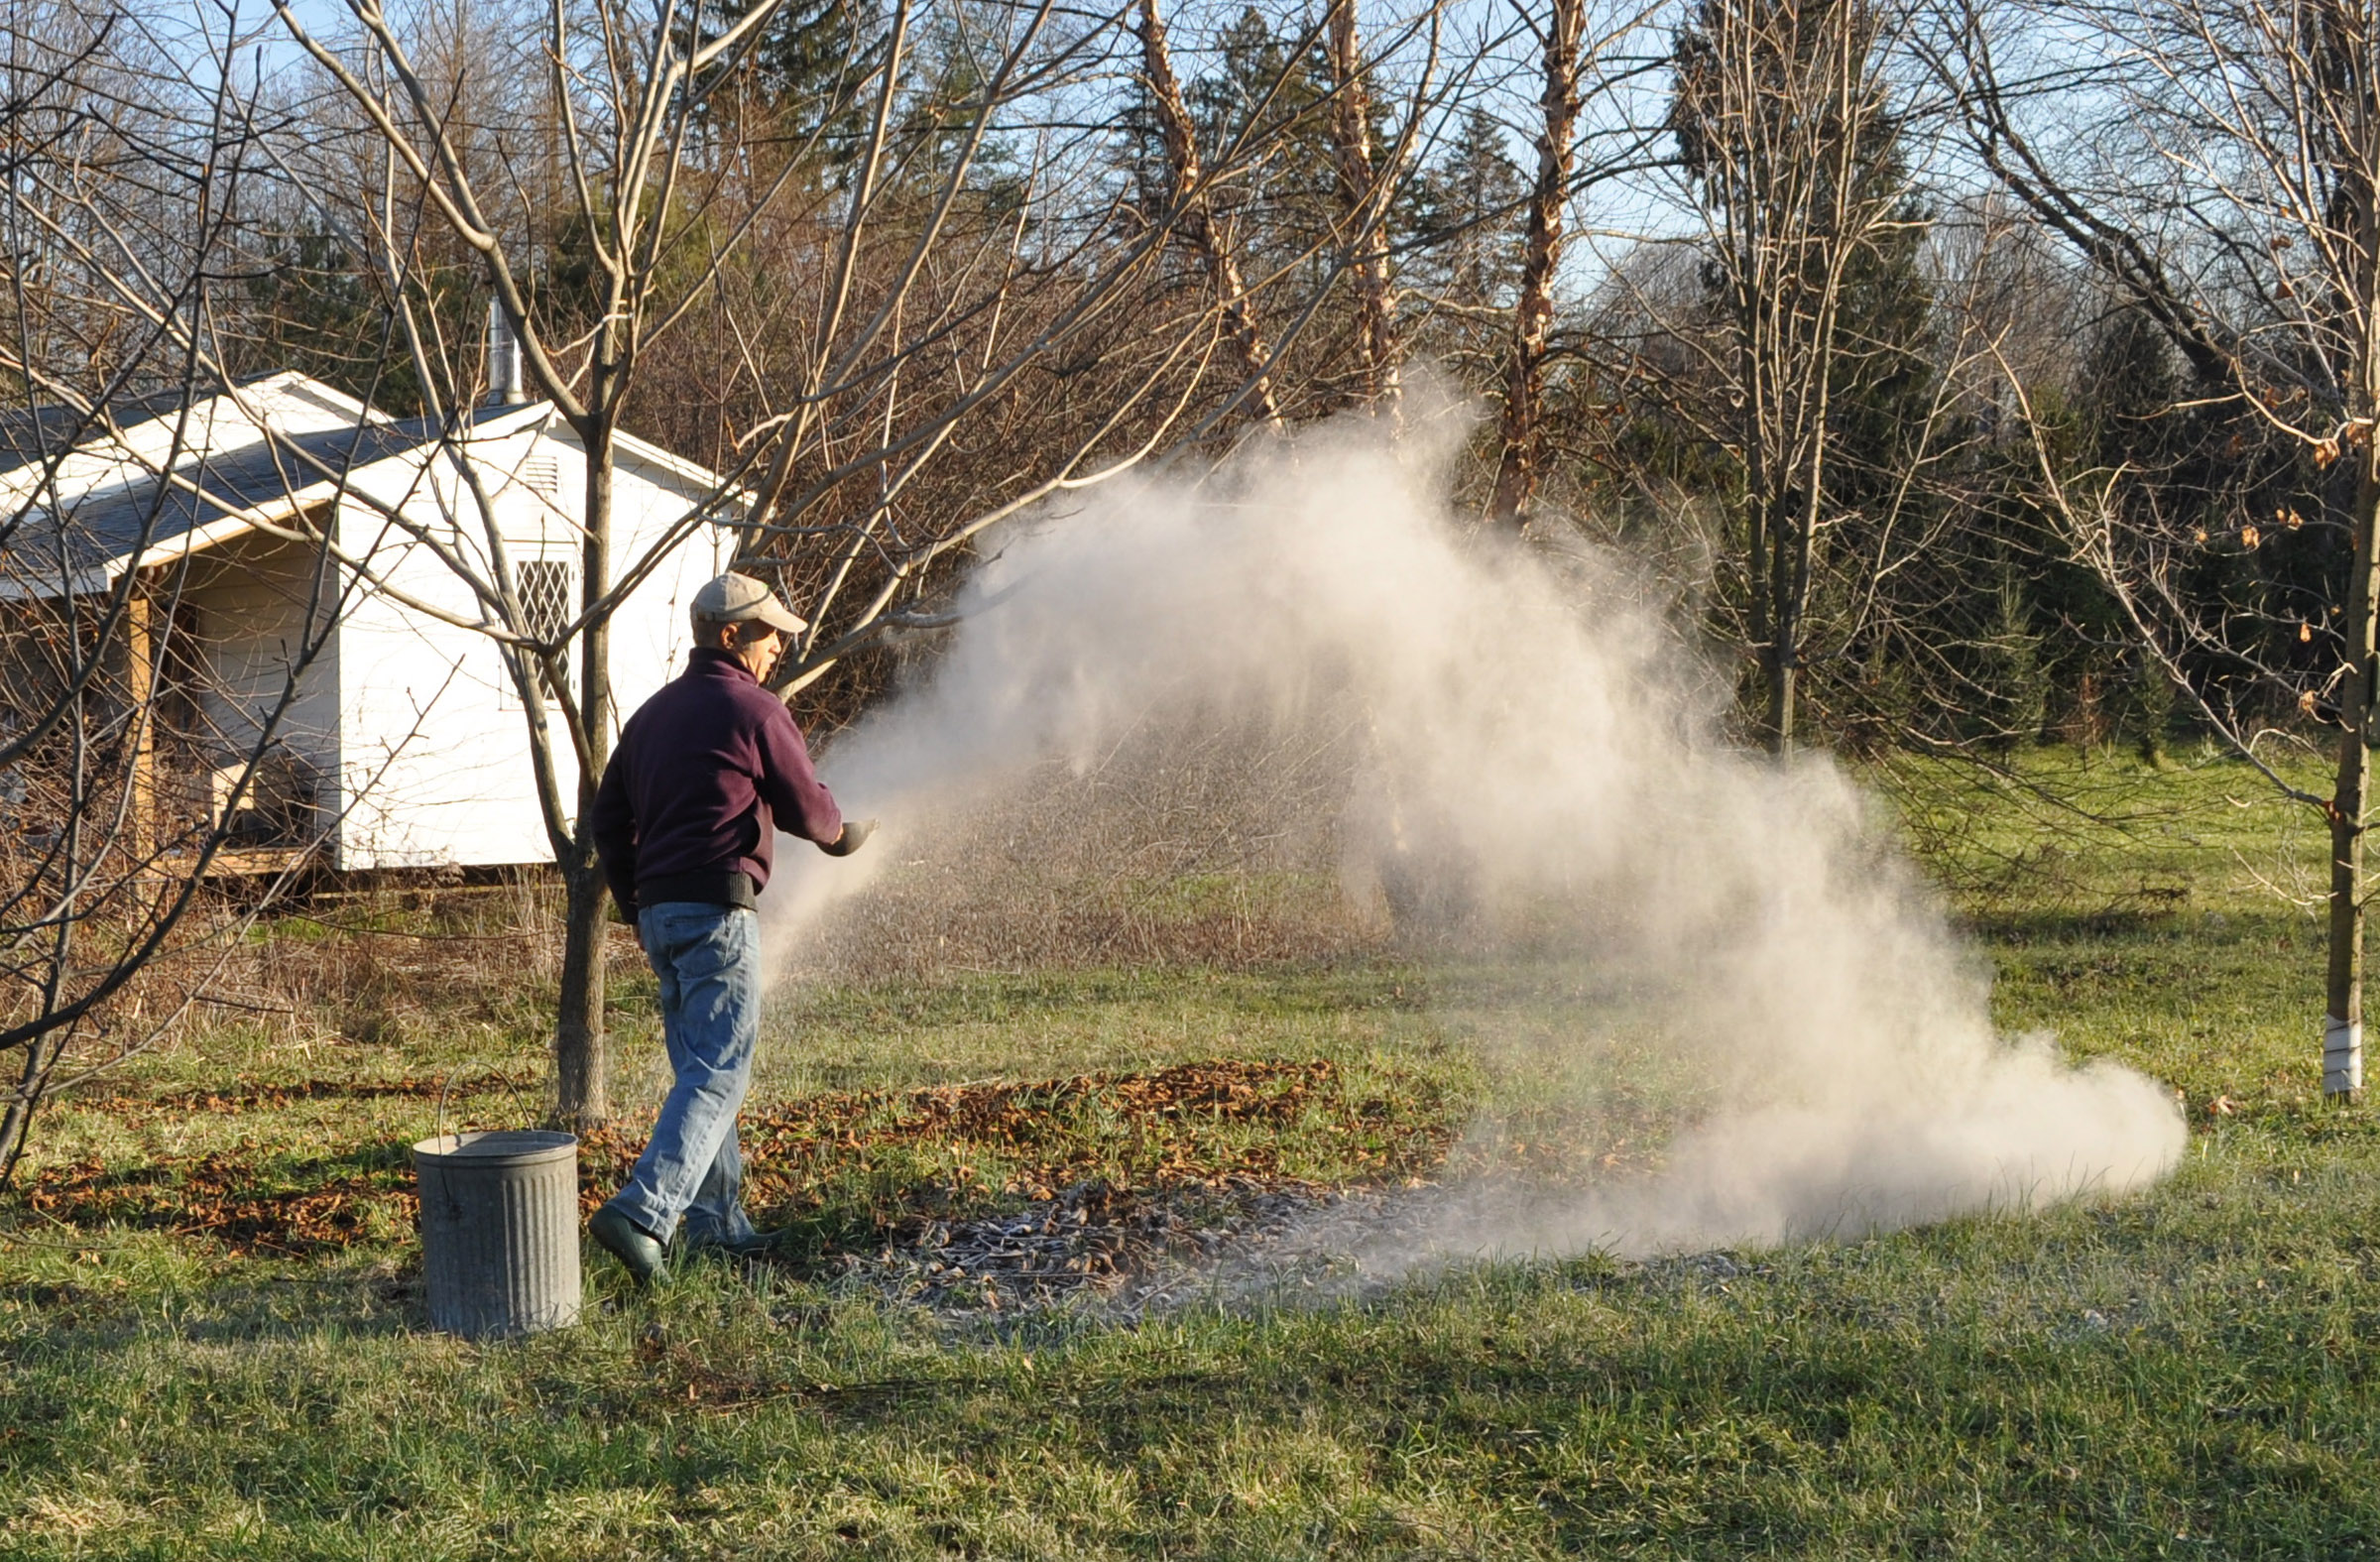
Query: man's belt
{"type": "Point", "coordinates": [713, 887]}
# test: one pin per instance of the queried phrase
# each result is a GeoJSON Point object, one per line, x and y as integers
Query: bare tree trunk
{"type": "Point", "coordinates": [1518, 467]}
{"type": "Point", "coordinates": [1359, 187]}
{"type": "Point", "coordinates": [2342, 67]}
{"type": "Point", "coordinates": [42, 1051]}
{"type": "Point", "coordinates": [1194, 219]}
{"type": "Point", "coordinates": [17, 1123]}
{"type": "Point", "coordinates": [1791, 547]}
{"type": "Point", "coordinates": [2296, 130]}
{"type": "Point", "coordinates": [581, 1053]}
{"type": "Point", "coordinates": [2343, 1026]}
{"type": "Point", "coordinates": [1774, 102]}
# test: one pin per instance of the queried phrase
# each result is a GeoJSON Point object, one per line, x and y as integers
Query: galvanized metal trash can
{"type": "Point", "coordinates": [499, 1230]}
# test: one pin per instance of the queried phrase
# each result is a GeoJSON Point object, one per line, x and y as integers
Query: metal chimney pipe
{"type": "Point", "coordinates": [503, 358]}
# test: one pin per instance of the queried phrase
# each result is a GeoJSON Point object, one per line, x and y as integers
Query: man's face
{"type": "Point", "coordinates": [758, 645]}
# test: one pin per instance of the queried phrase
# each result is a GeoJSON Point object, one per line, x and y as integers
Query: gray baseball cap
{"type": "Point", "coordinates": [732, 598]}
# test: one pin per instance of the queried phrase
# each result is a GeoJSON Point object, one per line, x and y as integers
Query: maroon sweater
{"type": "Point", "coordinates": [707, 771]}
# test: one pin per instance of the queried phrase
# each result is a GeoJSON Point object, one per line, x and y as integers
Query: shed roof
{"type": "Point", "coordinates": [109, 509]}
{"type": "Point", "coordinates": [84, 538]}
{"type": "Point", "coordinates": [32, 433]}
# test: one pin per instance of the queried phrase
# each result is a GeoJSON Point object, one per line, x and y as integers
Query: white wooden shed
{"type": "Point", "coordinates": [405, 745]}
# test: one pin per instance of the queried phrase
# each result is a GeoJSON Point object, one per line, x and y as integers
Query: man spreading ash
{"type": "Point", "coordinates": [706, 773]}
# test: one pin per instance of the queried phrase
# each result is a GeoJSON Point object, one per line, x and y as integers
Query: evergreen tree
{"type": "Point", "coordinates": [2241, 515]}
{"type": "Point", "coordinates": [1463, 217]}
{"type": "Point", "coordinates": [2012, 682]}
{"type": "Point", "coordinates": [312, 309]}
{"type": "Point", "coordinates": [1261, 91]}
{"type": "Point", "coordinates": [812, 66]}
{"type": "Point", "coordinates": [2129, 388]}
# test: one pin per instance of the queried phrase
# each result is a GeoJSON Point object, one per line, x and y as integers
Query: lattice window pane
{"type": "Point", "coordinates": [545, 592]}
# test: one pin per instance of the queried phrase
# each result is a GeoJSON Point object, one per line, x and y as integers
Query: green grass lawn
{"type": "Point", "coordinates": [2190, 1372]}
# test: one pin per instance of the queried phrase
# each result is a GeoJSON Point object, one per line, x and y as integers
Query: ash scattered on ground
{"type": "Point", "coordinates": [1092, 1247]}
{"type": "Point", "coordinates": [1123, 1255]}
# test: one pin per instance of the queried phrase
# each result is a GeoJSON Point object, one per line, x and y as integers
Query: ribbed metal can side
{"type": "Point", "coordinates": [499, 1239]}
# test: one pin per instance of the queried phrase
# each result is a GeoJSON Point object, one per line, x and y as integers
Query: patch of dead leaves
{"type": "Point", "coordinates": [1222, 1124]}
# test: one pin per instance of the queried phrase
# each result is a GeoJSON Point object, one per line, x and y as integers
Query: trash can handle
{"type": "Point", "coordinates": [438, 1130]}
{"type": "Point", "coordinates": [446, 1087]}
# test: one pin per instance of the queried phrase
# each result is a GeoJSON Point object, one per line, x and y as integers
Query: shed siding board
{"type": "Point", "coordinates": [439, 772]}
{"type": "Point", "coordinates": [650, 640]}
{"type": "Point", "coordinates": [434, 742]}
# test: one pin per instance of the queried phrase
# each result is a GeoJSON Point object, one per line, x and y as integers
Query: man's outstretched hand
{"type": "Point", "coordinates": [855, 835]}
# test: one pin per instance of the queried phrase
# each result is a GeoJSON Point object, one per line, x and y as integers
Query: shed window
{"type": "Point", "coordinates": [544, 588]}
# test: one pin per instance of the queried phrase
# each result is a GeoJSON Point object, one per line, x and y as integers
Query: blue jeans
{"type": "Point", "coordinates": [708, 958]}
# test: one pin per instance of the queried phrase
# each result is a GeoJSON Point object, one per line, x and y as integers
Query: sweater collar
{"type": "Point", "coordinates": [718, 663]}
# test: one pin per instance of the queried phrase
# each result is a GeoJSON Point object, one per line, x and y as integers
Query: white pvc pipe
{"type": "Point", "coordinates": [2343, 1056]}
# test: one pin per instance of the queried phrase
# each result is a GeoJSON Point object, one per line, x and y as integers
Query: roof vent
{"type": "Point", "coordinates": [503, 358]}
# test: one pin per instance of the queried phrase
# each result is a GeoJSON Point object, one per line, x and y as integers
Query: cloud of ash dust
{"type": "Point", "coordinates": [1526, 749]}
